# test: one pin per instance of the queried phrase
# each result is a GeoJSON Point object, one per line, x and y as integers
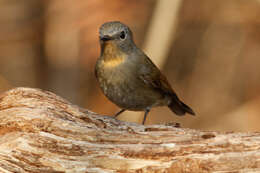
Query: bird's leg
{"type": "Point", "coordinates": [145, 114]}
{"type": "Point", "coordinates": [118, 113]}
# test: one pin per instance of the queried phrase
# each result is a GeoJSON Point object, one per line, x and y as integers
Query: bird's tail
{"type": "Point", "coordinates": [178, 107]}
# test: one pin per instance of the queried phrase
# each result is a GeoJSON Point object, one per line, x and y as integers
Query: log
{"type": "Point", "coordinates": [42, 132]}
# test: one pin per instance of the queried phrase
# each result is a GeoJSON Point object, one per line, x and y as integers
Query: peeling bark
{"type": "Point", "coordinates": [41, 132]}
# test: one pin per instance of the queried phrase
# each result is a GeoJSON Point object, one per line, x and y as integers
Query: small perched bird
{"type": "Point", "coordinates": [128, 77]}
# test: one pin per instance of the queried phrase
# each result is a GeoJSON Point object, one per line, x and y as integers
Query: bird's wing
{"type": "Point", "coordinates": [152, 77]}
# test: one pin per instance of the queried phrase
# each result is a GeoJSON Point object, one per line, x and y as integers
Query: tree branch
{"type": "Point", "coordinates": [41, 132]}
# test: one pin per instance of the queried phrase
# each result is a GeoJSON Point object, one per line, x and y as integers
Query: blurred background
{"type": "Point", "coordinates": [209, 51]}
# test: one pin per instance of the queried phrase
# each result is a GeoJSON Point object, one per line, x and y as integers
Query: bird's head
{"type": "Point", "coordinates": [116, 34]}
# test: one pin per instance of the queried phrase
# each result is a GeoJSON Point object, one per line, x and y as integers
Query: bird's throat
{"type": "Point", "coordinates": [111, 55]}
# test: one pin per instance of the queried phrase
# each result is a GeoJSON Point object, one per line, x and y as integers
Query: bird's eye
{"type": "Point", "coordinates": [122, 35]}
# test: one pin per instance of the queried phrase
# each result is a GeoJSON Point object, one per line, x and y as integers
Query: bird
{"type": "Point", "coordinates": [129, 78]}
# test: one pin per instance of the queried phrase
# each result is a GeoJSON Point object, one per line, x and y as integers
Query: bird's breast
{"type": "Point", "coordinates": [110, 68]}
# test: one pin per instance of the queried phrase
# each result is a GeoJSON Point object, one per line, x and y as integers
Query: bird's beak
{"type": "Point", "coordinates": [105, 38]}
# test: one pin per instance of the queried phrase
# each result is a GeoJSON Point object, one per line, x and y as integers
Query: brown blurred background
{"type": "Point", "coordinates": [211, 54]}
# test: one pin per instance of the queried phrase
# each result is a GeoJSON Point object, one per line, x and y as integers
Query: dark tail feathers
{"type": "Point", "coordinates": [178, 107]}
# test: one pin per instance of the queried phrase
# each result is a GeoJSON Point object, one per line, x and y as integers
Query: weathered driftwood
{"type": "Point", "coordinates": [41, 132]}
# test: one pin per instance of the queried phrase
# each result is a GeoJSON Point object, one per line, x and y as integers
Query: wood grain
{"type": "Point", "coordinates": [42, 132]}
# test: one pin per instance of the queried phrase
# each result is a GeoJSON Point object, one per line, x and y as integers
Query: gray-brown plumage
{"type": "Point", "coordinates": [128, 77]}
